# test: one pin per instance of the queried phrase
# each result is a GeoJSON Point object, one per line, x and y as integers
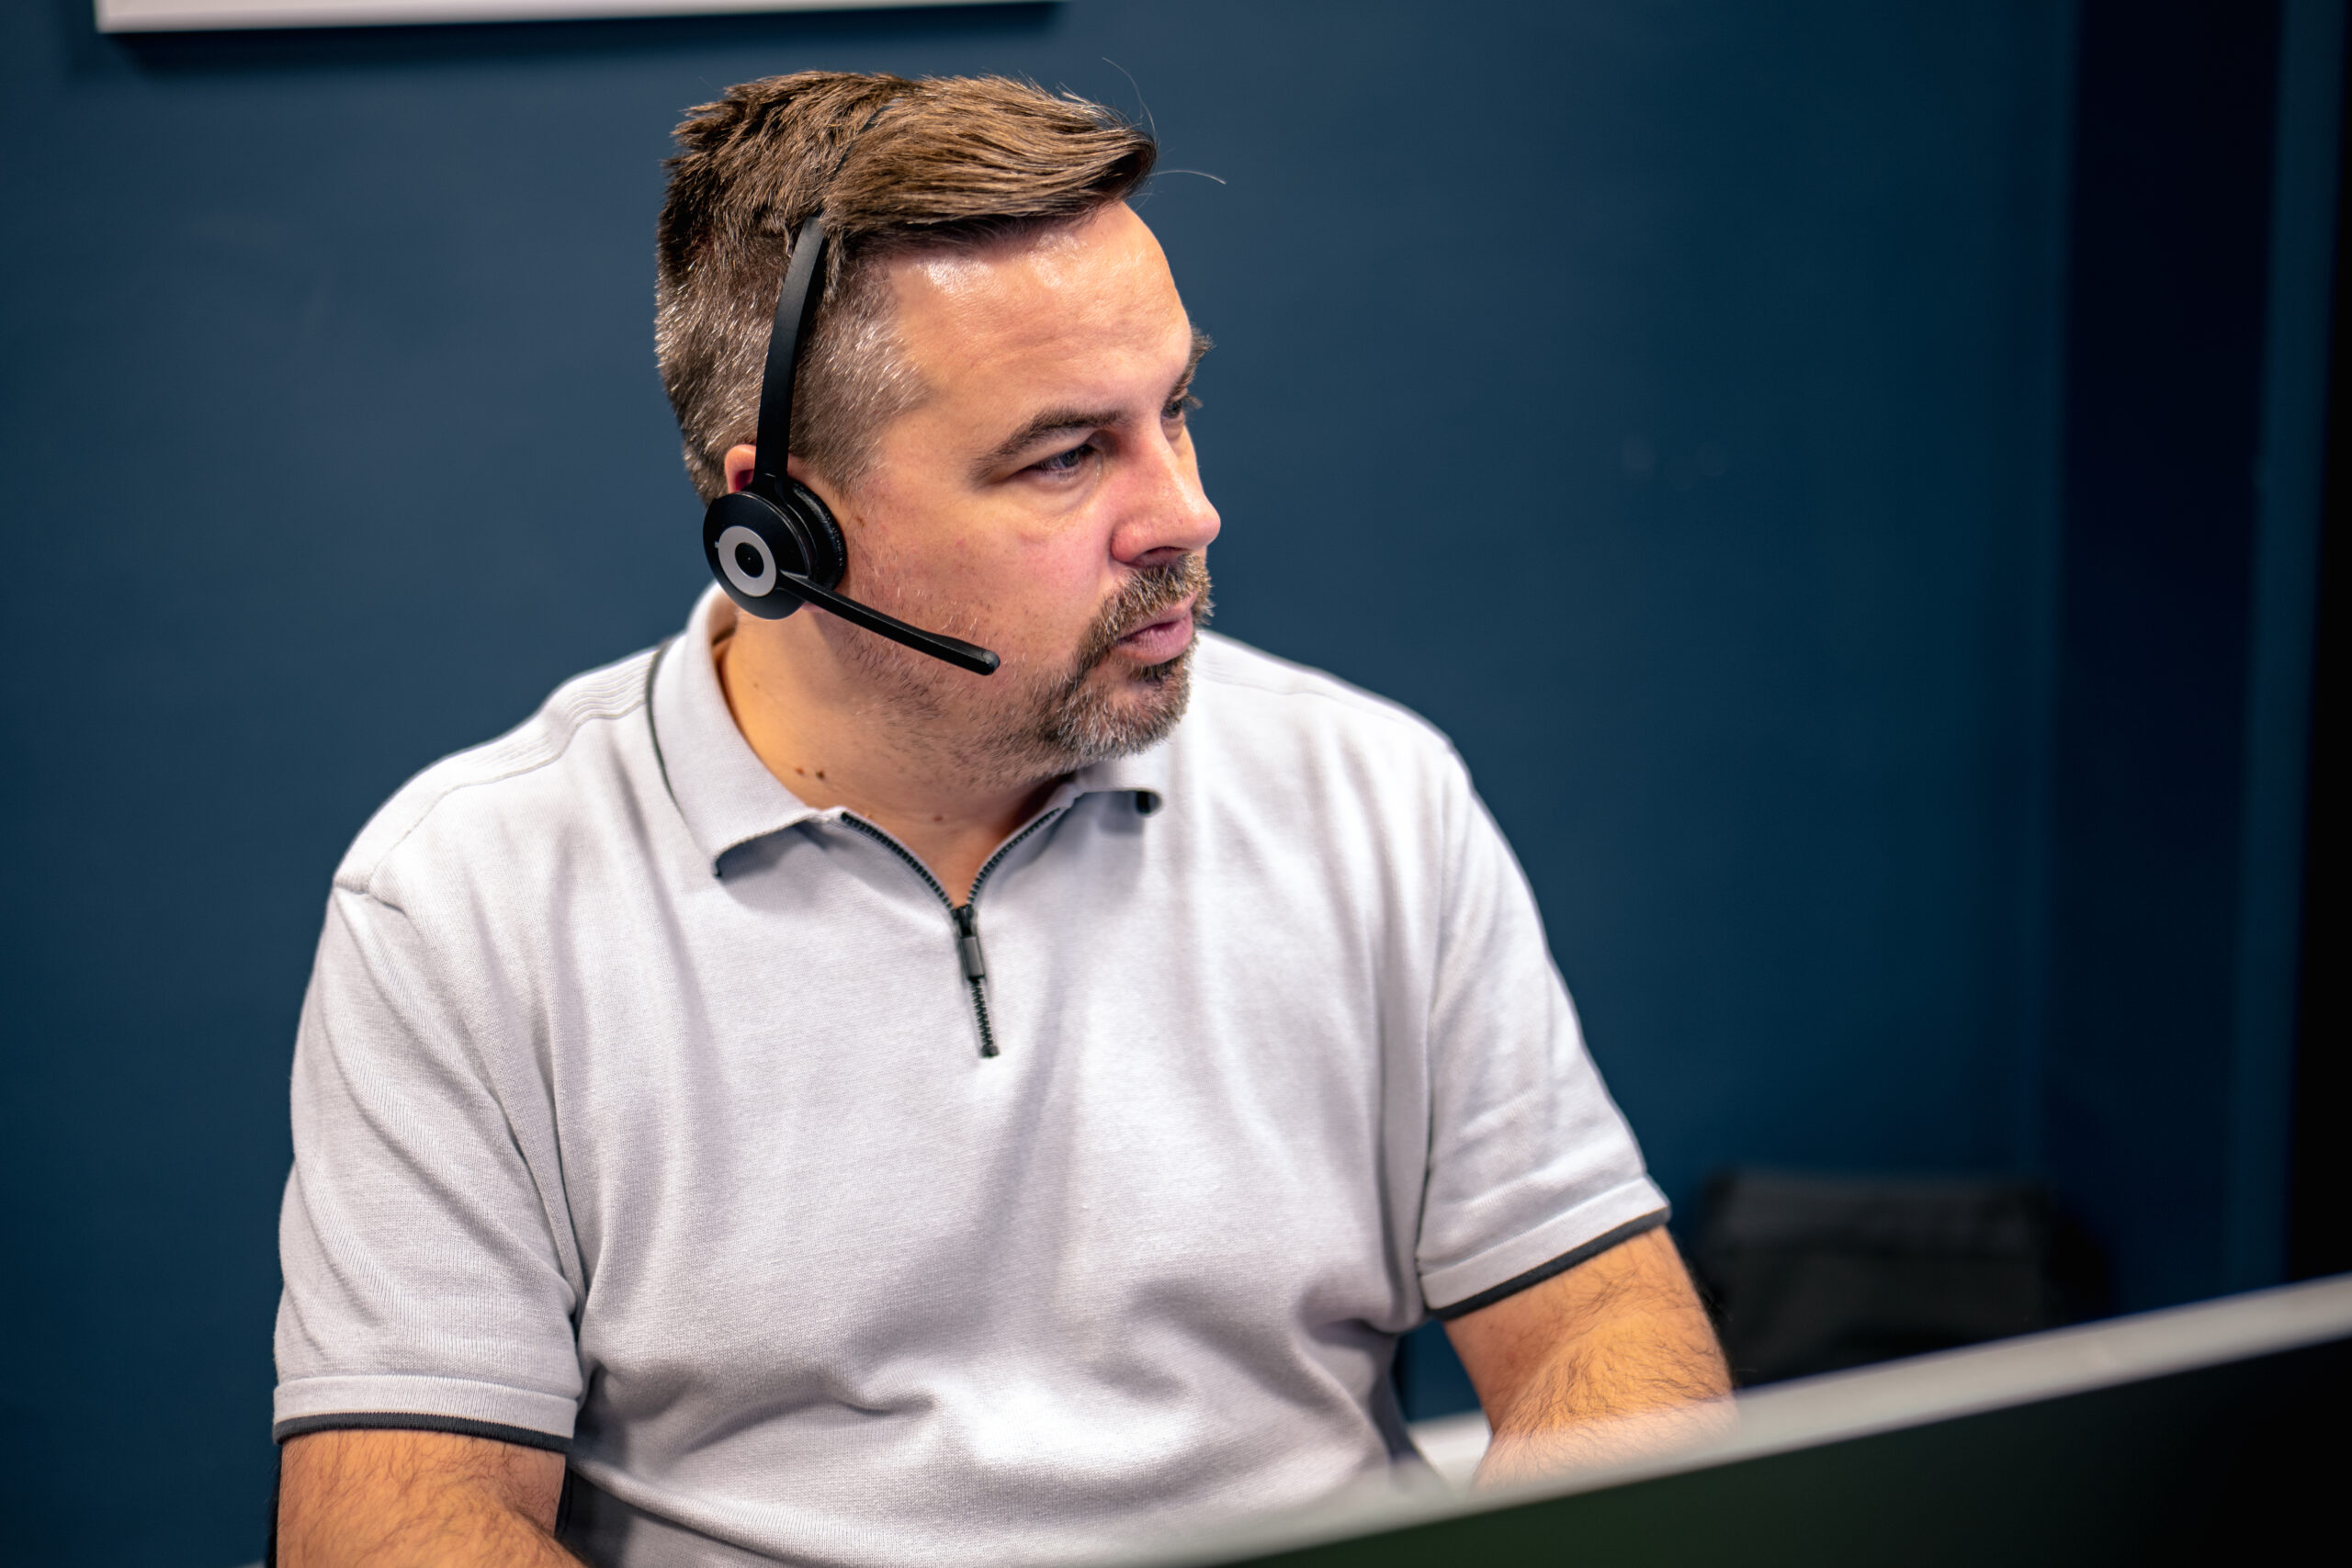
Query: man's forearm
{"type": "Point", "coordinates": [1613, 1358]}
{"type": "Point", "coordinates": [1610, 1396]}
{"type": "Point", "coordinates": [378, 1499]}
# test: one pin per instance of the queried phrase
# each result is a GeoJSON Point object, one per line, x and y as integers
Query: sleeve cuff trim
{"type": "Point", "coordinates": [410, 1421]}
{"type": "Point", "coordinates": [1560, 1265]}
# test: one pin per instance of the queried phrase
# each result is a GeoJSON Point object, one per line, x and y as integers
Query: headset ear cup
{"type": "Point", "coordinates": [750, 543]}
{"type": "Point", "coordinates": [828, 552]}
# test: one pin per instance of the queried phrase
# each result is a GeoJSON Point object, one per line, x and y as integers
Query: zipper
{"type": "Point", "coordinates": [967, 920]}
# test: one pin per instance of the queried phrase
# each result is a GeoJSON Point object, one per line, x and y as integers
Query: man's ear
{"type": "Point", "coordinates": [740, 462]}
{"type": "Point", "coordinates": [741, 459]}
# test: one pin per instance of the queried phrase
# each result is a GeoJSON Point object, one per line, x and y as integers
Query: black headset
{"type": "Point", "coordinates": [773, 545]}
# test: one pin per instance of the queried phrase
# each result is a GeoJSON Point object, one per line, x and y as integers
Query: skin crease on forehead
{"type": "Point", "coordinates": [965, 525]}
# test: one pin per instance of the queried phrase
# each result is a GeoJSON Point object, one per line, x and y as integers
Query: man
{"type": "Point", "coordinates": [796, 1099]}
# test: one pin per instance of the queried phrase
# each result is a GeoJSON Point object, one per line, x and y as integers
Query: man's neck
{"type": "Point", "coordinates": [815, 727]}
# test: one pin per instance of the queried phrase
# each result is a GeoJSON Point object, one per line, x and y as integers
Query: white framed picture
{"type": "Point", "coordinates": [193, 16]}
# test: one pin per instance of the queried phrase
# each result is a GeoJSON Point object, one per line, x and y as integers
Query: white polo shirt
{"type": "Point", "coordinates": [643, 1112]}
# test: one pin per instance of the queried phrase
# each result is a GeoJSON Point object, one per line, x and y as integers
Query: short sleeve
{"type": "Point", "coordinates": [424, 1282]}
{"type": "Point", "coordinates": [1531, 1168]}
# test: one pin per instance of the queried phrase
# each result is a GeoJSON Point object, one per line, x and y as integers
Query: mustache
{"type": "Point", "coordinates": [1144, 597]}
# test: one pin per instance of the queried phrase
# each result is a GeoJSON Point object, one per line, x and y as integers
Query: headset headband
{"type": "Point", "coordinates": [796, 309]}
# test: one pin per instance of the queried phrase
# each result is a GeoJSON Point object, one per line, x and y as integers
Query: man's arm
{"type": "Point", "coordinates": [1612, 1357]}
{"type": "Point", "coordinates": [380, 1499]}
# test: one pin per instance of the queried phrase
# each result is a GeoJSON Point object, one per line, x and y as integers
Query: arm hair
{"type": "Point", "coordinates": [393, 1499]}
{"type": "Point", "coordinates": [1607, 1361]}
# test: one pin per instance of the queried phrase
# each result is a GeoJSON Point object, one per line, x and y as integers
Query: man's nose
{"type": "Point", "coordinates": [1169, 511]}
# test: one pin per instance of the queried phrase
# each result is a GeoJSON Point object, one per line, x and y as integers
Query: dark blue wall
{"type": "Point", "coordinates": [1665, 398]}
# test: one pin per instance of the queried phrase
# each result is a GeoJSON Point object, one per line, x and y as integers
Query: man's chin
{"type": "Point", "coordinates": [1119, 712]}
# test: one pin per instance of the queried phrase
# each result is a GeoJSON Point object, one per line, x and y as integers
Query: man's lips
{"type": "Point", "coordinates": [1161, 639]}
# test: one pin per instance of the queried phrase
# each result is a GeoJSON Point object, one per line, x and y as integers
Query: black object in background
{"type": "Point", "coordinates": [2319, 1226]}
{"type": "Point", "coordinates": [1815, 1273]}
{"type": "Point", "coordinates": [2176, 118]}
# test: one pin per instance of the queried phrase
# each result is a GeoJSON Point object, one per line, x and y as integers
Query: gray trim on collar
{"type": "Point", "coordinates": [726, 794]}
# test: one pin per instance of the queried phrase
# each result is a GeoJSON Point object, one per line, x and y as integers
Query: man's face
{"type": "Point", "coordinates": [1043, 500]}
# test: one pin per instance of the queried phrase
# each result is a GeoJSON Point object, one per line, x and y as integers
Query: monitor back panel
{"type": "Point", "coordinates": [2236, 1462]}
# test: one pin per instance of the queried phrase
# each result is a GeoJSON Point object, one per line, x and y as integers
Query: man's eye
{"type": "Point", "coordinates": [1179, 406]}
{"type": "Point", "coordinates": [1063, 462]}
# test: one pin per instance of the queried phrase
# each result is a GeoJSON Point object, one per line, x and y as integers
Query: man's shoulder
{"type": "Point", "coordinates": [1254, 697]}
{"type": "Point", "coordinates": [521, 778]}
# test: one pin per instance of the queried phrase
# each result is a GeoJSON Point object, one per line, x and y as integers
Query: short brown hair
{"type": "Point", "coordinates": [894, 165]}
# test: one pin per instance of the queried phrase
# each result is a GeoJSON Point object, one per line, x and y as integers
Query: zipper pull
{"type": "Point", "coordinates": [968, 943]}
{"type": "Point", "coordinates": [968, 948]}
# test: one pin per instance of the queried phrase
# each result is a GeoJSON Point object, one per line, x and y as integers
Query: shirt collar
{"type": "Point", "coordinates": [725, 793]}
{"type": "Point", "coordinates": [723, 790]}
{"type": "Point", "coordinates": [1143, 775]}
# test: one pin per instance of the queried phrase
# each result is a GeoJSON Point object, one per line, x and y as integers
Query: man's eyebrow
{"type": "Point", "coordinates": [1056, 420]}
{"type": "Point", "coordinates": [1202, 343]}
